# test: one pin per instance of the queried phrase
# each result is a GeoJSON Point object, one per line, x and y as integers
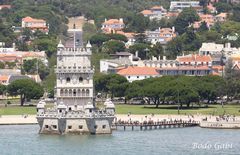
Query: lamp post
{"type": "Point", "coordinates": [178, 64]}
{"type": "Point", "coordinates": [222, 64]}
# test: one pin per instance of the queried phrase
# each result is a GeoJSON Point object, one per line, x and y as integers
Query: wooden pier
{"type": "Point", "coordinates": [154, 125]}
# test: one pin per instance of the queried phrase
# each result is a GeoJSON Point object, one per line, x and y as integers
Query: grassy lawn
{"type": "Point", "coordinates": [17, 110]}
{"type": "Point", "coordinates": [138, 109]}
{"type": "Point", "coordinates": [172, 109]}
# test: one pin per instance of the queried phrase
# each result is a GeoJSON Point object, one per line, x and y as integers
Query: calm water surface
{"type": "Point", "coordinates": [24, 140]}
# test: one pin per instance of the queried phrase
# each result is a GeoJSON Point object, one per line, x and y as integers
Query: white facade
{"type": "Point", "coordinates": [216, 49]}
{"type": "Point", "coordinates": [74, 76]}
{"type": "Point", "coordinates": [132, 78]}
{"type": "Point", "coordinates": [180, 5]}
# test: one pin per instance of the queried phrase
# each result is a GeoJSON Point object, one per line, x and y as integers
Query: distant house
{"type": "Point", "coordinates": [195, 60]}
{"type": "Point", "coordinates": [180, 5]}
{"type": "Point", "coordinates": [112, 25]}
{"type": "Point", "coordinates": [211, 8]}
{"type": "Point", "coordinates": [19, 57]}
{"type": "Point", "coordinates": [207, 18]}
{"type": "Point", "coordinates": [5, 7]}
{"type": "Point", "coordinates": [35, 24]}
{"type": "Point", "coordinates": [130, 36]}
{"type": "Point", "coordinates": [120, 59]}
{"type": "Point", "coordinates": [160, 63]}
{"type": "Point", "coordinates": [4, 79]}
{"type": "Point", "coordinates": [218, 49]}
{"type": "Point", "coordinates": [161, 35]}
{"type": "Point", "coordinates": [34, 55]}
{"type": "Point", "coordinates": [210, 49]}
{"type": "Point", "coordinates": [222, 17]}
{"type": "Point", "coordinates": [156, 12]}
{"type": "Point", "coordinates": [133, 73]}
{"type": "Point", "coordinates": [10, 57]}
{"type": "Point", "coordinates": [190, 65]}
{"type": "Point", "coordinates": [171, 14]}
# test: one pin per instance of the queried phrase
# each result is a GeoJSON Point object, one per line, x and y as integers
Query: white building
{"type": "Point", "coordinates": [110, 65]}
{"type": "Point", "coordinates": [218, 49]}
{"type": "Point", "coordinates": [156, 12]}
{"type": "Point", "coordinates": [133, 73]}
{"type": "Point", "coordinates": [74, 111]}
{"type": "Point", "coordinates": [180, 5]}
{"type": "Point", "coordinates": [74, 79]}
{"type": "Point", "coordinates": [161, 35]}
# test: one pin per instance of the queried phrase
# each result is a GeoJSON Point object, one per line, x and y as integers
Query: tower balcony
{"type": "Point", "coordinates": [74, 70]}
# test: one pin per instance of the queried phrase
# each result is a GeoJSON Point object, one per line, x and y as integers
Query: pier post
{"type": "Point", "coordinates": [132, 127]}
{"type": "Point", "coordinates": [124, 127]}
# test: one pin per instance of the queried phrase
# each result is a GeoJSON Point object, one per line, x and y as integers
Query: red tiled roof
{"type": "Point", "coordinates": [3, 77]}
{"type": "Point", "coordinates": [30, 19]}
{"type": "Point", "coordinates": [217, 67]}
{"type": "Point", "coordinates": [147, 12]}
{"type": "Point", "coordinates": [224, 15]}
{"type": "Point", "coordinates": [31, 54]}
{"type": "Point", "coordinates": [113, 21]}
{"type": "Point", "coordinates": [215, 73]}
{"type": "Point", "coordinates": [127, 34]}
{"type": "Point", "coordinates": [5, 6]}
{"type": "Point", "coordinates": [132, 70]}
{"type": "Point", "coordinates": [195, 58]}
{"type": "Point", "coordinates": [157, 7]}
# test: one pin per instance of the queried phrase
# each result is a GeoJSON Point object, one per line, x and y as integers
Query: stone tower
{"type": "Point", "coordinates": [74, 73]}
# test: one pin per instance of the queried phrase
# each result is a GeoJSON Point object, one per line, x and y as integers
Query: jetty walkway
{"type": "Point", "coordinates": [149, 125]}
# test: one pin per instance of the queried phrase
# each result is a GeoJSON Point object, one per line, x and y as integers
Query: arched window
{"type": "Point", "coordinates": [74, 93]}
{"type": "Point", "coordinates": [83, 92]}
{"type": "Point", "coordinates": [66, 92]}
{"type": "Point", "coordinates": [80, 79]}
{"type": "Point", "coordinates": [78, 92]}
{"type": "Point", "coordinates": [61, 92]}
{"type": "Point", "coordinates": [68, 79]}
{"type": "Point", "coordinates": [70, 92]}
{"type": "Point", "coordinates": [87, 92]}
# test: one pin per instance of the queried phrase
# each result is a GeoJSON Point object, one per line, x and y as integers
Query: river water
{"type": "Point", "coordinates": [25, 140]}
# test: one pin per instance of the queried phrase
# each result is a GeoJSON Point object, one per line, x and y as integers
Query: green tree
{"type": "Point", "coordinates": [185, 18]}
{"type": "Point", "coordinates": [88, 31]}
{"type": "Point", "coordinates": [26, 88]}
{"type": "Point", "coordinates": [142, 49]}
{"type": "Point", "coordinates": [36, 66]}
{"type": "Point", "coordinates": [113, 46]}
{"type": "Point", "coordinates": [99, 39]}
{"type": "Point", "coordinates": [2, 89]}
{"type": "Point", "coordinates": [157, 50]}
{"type": "Point", "coordinates": [112, 84]}
{"type": "Point", "coordinates": [46, 44]}
{"type": "Point", "coordinates": [222, 7]}
{"type": "Point", "coordinates": [203, 27]}
{"type": "Point", "coordinates": [118, 37]}
{"type": "Point", "coordinates": [137, 23]}
{"type": "Point", "coordinates": [2, 65]}
{"type": "Point", "coordinates": [174, 47]}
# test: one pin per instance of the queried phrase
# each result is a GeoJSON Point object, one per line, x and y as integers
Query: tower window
{"type": "Point", "coordinates": [74, 93]}
{"type": "Point", "coordinates": [54, 127]}
{"type": "Point", "coordinates": [68, 79]}
{"type": "Point", "coordinates": [80, 79]}
{"type": "Point", "coordinates": [69, 127]}
{"type": "Point", "coordinates": [80, 127]}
